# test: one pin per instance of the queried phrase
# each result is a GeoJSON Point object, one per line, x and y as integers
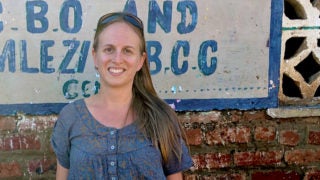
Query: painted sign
{"type": "Point", "coordinates": [202, 55]}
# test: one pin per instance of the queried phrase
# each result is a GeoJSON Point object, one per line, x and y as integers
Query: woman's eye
{"type": "Point", "coordinates": [108, 50]}
{"type": "Point", "coordinates": [127, 51]}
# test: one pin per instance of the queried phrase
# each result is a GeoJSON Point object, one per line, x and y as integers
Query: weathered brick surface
{"type": "Point", "coordinates": [257, 158]}
{"type": "Point", "coordinates": [312, 175]}
{"type": "Point", "coordinates": [199, 162]}
{"type": "Point", "coordinates": [215, 176]}
{"type": "Point", "coordinates": [302, 156]}
{"type": "Point", "coordinates": [10, 169]}
{"type": "Point", "coordinates": [254, 115]}
{"type": "Point", "coordinates": [314, 137]}
{"type": "Point", "coordinates": [217, 160]}
{"type": "Point", "coordinates": [226, 145]}
{"type": "Point", "coordinates": [204, 117]}
{"type": "Point", "coordinates": [20, 142]}
{"type": "Point", "coordinates": [190, 177]}
{"type": "Point", "coordinates": [289, 137]}
{"type": "Point", "coordinates": [7, 123]}
{"type": "Point", "coordinates": [234, 116]}
{"type": "Point", "coordinates": [41, 166]}
{"type": "Point", "coordinates": [224, 136]}
{"type": "Point", "coordinates": [38, 123]}
{"type": "Point", "coordinates": [226, 176]}
{"type": "Point", "coordinates": [273, 175]}
{"type": "Point", "coordinates": [194, 136]}
{"type": "Point", "coordinates": [265, 134]}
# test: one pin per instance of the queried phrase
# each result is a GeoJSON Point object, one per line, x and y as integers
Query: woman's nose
{"type": "Point", "coordinates": [117, 57]}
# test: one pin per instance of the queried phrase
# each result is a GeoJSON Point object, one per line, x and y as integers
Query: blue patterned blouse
{"type": "Point", "coordinates": [91, 150]}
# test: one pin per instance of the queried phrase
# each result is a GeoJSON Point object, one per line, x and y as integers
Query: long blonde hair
{"type": "Point", "coordinates": [155, 118]}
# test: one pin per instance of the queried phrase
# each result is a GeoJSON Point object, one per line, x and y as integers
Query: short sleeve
{"type": "Point", "coordinates": [60, 139]}
{"type": "Point", "coordinates": [175, 166]}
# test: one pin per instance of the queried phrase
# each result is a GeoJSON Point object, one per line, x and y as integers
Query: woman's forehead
{"type": "Point", "coordinates": [120, 33]}
{"type": "Point", "coordinates": [120, 28]}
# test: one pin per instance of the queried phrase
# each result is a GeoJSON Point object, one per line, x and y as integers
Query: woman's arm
{"type": "Point", "coordinates": [176, 176]}
{"type": "Point", "coordinates": [62, 173]}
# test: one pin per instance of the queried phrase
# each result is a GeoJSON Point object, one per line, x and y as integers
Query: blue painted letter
{"type": "Point", "coordinates": [67, 88]}
{"type": "Point", "coordinates": [155, 16]}
{"type": "Point", "coordinates": [45, 58]}
{"type": "Point", "coordinates": [72, 48]}
{"type": "Point", "coordinates": [32, 16]}
{"type": "Point", "coordinates": [64, 16]}
{"type": "Point", "coordinates": [83, 56]}
{"type": "Point", "coordinates": [24, 59]}
{"type": "Point", "coordinates": [85, 89]}
{"type": "Point", "coordinates": [183, 28]}
{"type": "Point", "coordinates": [131, 7]}
{"type": "Point", "coordinates": [155, 56]}
{"type": "Point", "coordinates": [8, 52]}
{"type": "Point", "coordinates": [202, 57]}
{"type": "Point", "coordinates": [175, 56]}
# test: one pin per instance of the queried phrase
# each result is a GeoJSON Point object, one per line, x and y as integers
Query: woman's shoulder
{"type": "Point", "coordinates": [71, 111]}
{"type": "Point", "coordinates": [72, 106]}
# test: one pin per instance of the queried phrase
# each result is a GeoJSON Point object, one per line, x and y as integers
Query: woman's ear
{"type": "Point", "coordinates": [141, 61]}
{"type": "Point", "coordinates": [93, 52]}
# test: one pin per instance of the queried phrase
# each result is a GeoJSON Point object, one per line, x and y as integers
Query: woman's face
{"type": "Point", "coordinates": [118, 55]}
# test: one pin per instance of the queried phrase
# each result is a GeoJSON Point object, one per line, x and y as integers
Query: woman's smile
{"type": "Point", "coordinates": [116, 70]}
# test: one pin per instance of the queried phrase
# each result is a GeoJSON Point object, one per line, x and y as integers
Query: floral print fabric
{"type": "Point", "coordinates": [91, 150]}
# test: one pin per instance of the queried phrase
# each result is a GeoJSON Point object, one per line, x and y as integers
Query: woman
{"type": "Point", "coordinates": [125, 131]}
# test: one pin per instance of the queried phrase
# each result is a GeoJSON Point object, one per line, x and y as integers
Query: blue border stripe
{"type": "Point", "coordinates": [200, 104]}
{"type": "Point", "coordinates": [222, 104]}
{"type": "Point", "coordinates": [274, 73]}
{"type": "Point", "coordinates": [34, 109]}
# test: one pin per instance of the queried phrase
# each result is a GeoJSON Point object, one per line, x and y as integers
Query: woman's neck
{"type": "Point", "coordinates": [116, 97]}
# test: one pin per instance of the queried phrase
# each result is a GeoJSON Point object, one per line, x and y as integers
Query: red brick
{"type": "Point", "coordinates": [312, 175]}
{"type": "Point", "coordinates": [289, 137]}
{"type": "Point", "coordinates": [314, 137]}
{"type": "Point", "coordinates": [30, 142]}
{"type": "Point", "coordinates": [257, 158]}
{"type": "Point", "coordinates": [38, 123]}
{"type": "Point", "coordinates": [20, 142]}
{"type": "Point", "coordinates": [265, 134]}
{"type": "Point", "coordinates": [228, 135]}
{"type": "Point", "coordinates": [206, 117]}
{"type": "Point", "coordinates": [231, 176]}
{"type": "Point", "coordinates": [194, 136]}
{"type": "Point", "coordinates": [49, 120]}
{"type": "Point", "coordinates": [7, 123]}
{"type": "Point", "coordinates": [9, 143]}
{"type": "Point", "coordinates": [254, 115]}
{"type": "Point", "coordinates": [302, 156]}
{"type": "Point", "coordinates": [215, 137]}
{"type": "Point", "coordinates": [199, 162]}
{"type": "Point", "coordinates": [190, 176]}
{"type": "Point", "coordinates": [206, 177]}
{"type": "Point", "coordinates": [275, 175]}
{"type": "Point", "coordinates": [217, 160]}
{"type": "Point", "coordinates": [41, 166]}
{"type": "Point", "coordinates": [241, 135]}
{"type": "Point", "coordinates": [234, 116]}
{"type": "Point", "coordinates": [184, 118]}
{"type": "Point", "coordinates": [10, 169]}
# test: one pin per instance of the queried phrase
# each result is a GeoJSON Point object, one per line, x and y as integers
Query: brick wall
{"type": "Point", "coordinates": [25, 151]}
{"type": "Point", "coordinates": [224, 145]}
{"type": "Point", "coordinates": [252, 145]}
